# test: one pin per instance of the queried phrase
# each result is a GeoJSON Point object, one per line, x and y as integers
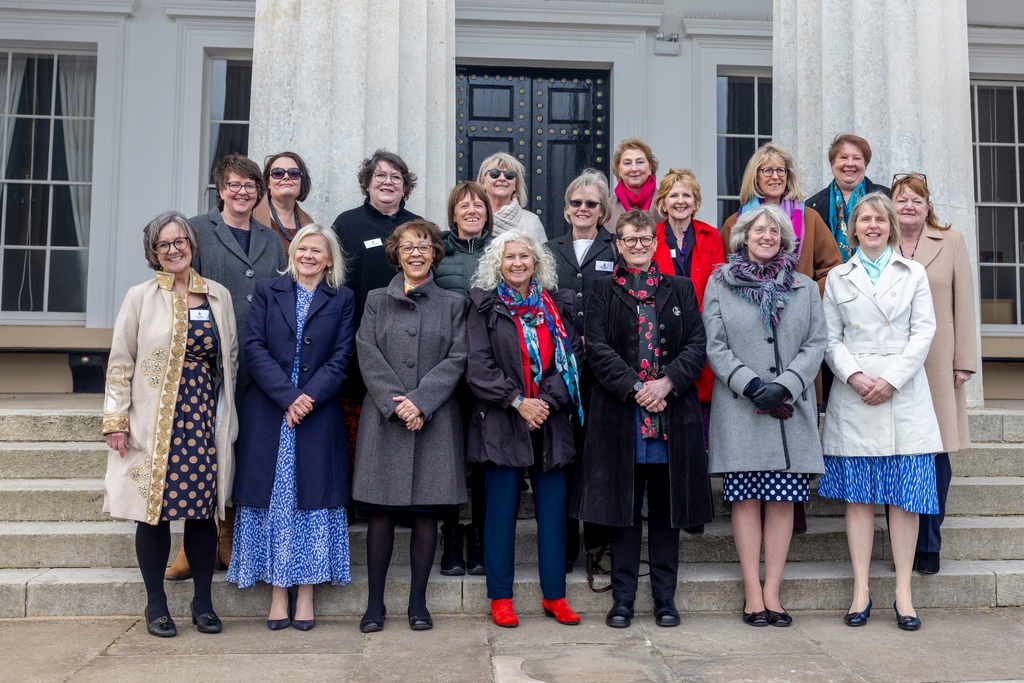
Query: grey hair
{"type": "Point", "coordinates": [741, 230]}
{"type": "Point", "coordinates": [488, 271]}
{"type": "Point", "coordinates": [335, 274]}
{"type": "Point", "coordinates": [509, 163]}
{"type": "Point", "coordinates": [590, 176]}
{"type": "Point", "coordinates": [151, 233]}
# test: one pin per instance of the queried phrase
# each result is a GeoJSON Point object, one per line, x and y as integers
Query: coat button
{"type": "Point", "coordinates": [856, 326]}
{"type": "Point", "coordinates": [250, 272]}
{"type": "Point", "coordinates": [772, 369]}
{"type": "Point", "coordinates": [661, 326]}
{"type": "Point", "coordinates": [304, 367]}
{"type": "Point", "coordinates": [307, 340]}
{"type": "Point", "coordinates": [411, 331]}
{"type": "Point", "coordinates": [409, 363]}
{"type": "Point", "coordinates": [579, 295]}
{"type": "Point", "coordinates": [579, 276]}
{"type": "Point", "coordinates": [771, 340]}
{"type": "Point", "coordinates": [893, 294]}
{"type": "Point", "coordinates": [481, 414]}
{"type": "Point", "coordinates": [248, 298]}
{"type": "Point", "coordinates": [579, 314]}
{"type": "Point", "coordinates": [885, 322]}
{"type": "Point", "coordinates": [662, 340]}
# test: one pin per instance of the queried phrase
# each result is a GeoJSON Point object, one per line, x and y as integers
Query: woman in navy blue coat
{"type": "Point", "coordinates": [292, 481]}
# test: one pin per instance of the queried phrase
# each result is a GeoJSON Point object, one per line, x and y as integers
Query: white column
{"type": "Point", "coordinates": [333, 81]}
{"type": "Point", "coordinates": [894, 72]}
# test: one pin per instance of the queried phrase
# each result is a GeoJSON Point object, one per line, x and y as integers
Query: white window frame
{"type": "Point", "coordinates": [735, 72]}
{"type": "Point", "coordinates": [211, 56]}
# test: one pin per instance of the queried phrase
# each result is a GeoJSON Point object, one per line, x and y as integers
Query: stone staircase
{"type": "Point", "coordinates": [61, 556]}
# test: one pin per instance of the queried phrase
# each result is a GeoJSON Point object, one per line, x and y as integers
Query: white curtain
{"type": "Point", "coordinates": [13, 98]}
{"type": "Point", "coordinates": [77, 92]}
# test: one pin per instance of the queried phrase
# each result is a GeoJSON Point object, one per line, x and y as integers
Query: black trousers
{"type": "Point", "coordinates": [929, 535]}
{"type": "Point", "coordinates": [662, 539]}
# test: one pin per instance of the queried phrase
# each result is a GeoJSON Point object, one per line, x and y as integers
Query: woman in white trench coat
{"type": "Point", "coordinates": [881, 434]}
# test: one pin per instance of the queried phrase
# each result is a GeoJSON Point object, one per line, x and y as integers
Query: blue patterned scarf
{"type": "Point", "coordinates": [839, 210]}
{"type": "Point", "coordinates": [764, 285]}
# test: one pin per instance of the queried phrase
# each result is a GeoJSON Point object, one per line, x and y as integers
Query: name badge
{"type": "Point", "coordinates": [370, 244]}
{"type": "Point", "coordinates": [199, 315]}
{"type": "Point", "coordinates": [605, 266]}
{"type": "Point", "coordinates": [672, 252]}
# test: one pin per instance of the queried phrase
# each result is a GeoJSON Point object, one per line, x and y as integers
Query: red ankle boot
{"type": "Point", "coordinates": [560, 610]}
{"type": "Point", "coordinates": [503, 613]}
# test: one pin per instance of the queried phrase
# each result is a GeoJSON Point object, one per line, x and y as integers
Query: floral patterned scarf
{"type": "Point", "coordinates": [641, 285]}
{"type": "Point", "coordinates": [535, 309]}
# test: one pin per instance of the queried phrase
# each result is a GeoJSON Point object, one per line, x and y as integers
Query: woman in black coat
{"type": "Point", "coordinates": [522, 367]}
{"type": "Point", "coordinates": [645, 347]}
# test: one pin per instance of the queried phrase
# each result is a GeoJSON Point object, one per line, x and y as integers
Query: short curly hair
{"type": "Point", "coordinates": [244, 168]}
{"type": "Point", "coordinates": [369, 165]}
{"type": "Point", "coordinates": [421, 228]}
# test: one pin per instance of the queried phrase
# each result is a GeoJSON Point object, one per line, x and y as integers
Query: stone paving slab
{"type": "Point", "coordinates": [56, 500]}
{"type": "Point", "coordinates": [989, 460]}
{"type": "Point", "coordinates": [52, 460]}
{"type": "Point", "coordinates": [43, 424]}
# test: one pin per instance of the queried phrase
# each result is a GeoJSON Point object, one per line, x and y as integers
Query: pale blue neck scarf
{"type": "Point", "coordinates": [874, 268]}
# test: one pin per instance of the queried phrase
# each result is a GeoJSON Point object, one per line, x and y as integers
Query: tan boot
{"type": "Point", "coordinates": [179, 570]}
{"type": "Point", "coordinates": [225, 534]}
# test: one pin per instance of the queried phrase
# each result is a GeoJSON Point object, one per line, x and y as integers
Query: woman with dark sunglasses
{"type": "Point", "coordinates": [504, 180]}
{"type": "Point", "coordinates": [288, 183]}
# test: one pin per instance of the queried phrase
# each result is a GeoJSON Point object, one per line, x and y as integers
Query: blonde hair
{"type": "Point", "coordinates": [334, 274]}
{"type": "Point", "coordinates": [634, 143]}
{"type": "Point", "coordinates": [507, 162]}
{"type": "Point", "coordinates": [590, 176]}
{"type": "Point", "coordinates": [879, 202]}
{"type": "Point", "coordinates": [488, 271]}
{"type": "Point", "coordinates": [677, 175]}
{"type": "Point", "coordinates": [748, 188]}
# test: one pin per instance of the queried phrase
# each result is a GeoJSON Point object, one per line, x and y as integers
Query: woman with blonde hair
{"type": "Point", "coordinates": [504, 180]}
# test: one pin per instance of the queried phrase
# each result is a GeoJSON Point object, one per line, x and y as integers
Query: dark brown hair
{"type": "Point", "coordinates": [421, 228]}
{"type": "Point", "coordinates": [305, 184]}
{"type": "Point", "coordinates": [461, 189]}
{"type": "Point", "coordinates": [244, 168]}
{"type": "Point", "coordinates": [638, 218]}
{"type": "Point", "coordinates": [369, 165]}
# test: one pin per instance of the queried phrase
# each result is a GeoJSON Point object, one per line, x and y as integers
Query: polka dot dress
{"type": "Point", "coordinates": [191, 490]}
{"type": "Point", "coordinates": [776, 487]}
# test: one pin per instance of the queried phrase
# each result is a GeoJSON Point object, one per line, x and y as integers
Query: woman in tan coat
{"type": "Point", "coordinates": [953, 356]}
{"type": "Point", "coordinates": [169, 417]}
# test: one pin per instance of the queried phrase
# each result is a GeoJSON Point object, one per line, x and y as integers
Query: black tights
{"type": "Point", "coordinates": [153, 547]}
{"type": "Point", "coordinates": [380, 542]}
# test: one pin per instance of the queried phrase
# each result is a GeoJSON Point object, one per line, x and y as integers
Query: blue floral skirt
{"type": "Point", "coordinates": [906, 481]}
{"type": "Point", "coordinates": [776, 487]}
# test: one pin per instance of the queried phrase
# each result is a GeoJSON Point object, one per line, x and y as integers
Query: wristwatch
{"type": "Point", "coordinates": [517, 401]}
{"type": "Point", "coordinates": [636, 389]}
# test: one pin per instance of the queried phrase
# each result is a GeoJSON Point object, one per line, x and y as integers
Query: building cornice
{"type": "Point", "coordinates": [211, 9]}
{"type": "Point", "coordinates": [124, 8]}
{"type": "Point", "coordinates": [753, 25]}
{"type": "Point", "coordinates": [626, 15]}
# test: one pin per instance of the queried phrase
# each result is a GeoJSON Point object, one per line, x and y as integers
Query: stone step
{"type": "Point", "coordinates": [58, 500]}
{"type": "Point", "coordinates": [52, 460]}
{"type": "Point", "coordinates": [989, 460]}
{"type": "Point", "coordinates": [986, 496]}
{"type": "Point", "coordinates": [996, 425]}
{"type": "Point", "coordinates": [702, 587]}
{"type": "Point", "coordinates": [40, 424]}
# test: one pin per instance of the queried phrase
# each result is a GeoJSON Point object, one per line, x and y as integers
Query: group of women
{"type": "Point", "coordinates": [383, 363]}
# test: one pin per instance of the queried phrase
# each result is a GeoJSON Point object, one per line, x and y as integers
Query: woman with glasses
{"type": "Point", "coordinates": [410, 460]}
{"type": "Point", "coordinates": [953, 355]}
{"type": "Point", "coordinates": [645, 345]}
{"type": "Point", "coordinates": [504, 180]}
{"type": "Point", "coordinates": [169, 417]}
{"type": "Point", "coordinates": [237, 250]}
{"type": "Point", "coordinates": [288, 183]}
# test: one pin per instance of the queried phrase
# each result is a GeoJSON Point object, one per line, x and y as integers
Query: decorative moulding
{"type": "Point", "coordinates": [759, 27]}
{"type": "Point", "coordinates": [625, 15]}
{"type": "Point", "coordinates": [125, 8]}
{"type": "Point", "coordinates": [212, 9]}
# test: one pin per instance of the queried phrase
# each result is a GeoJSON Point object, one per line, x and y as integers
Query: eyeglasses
{"type": "Point", "coordinates": [422, 247]}
{"type": "Point", "coordinates": [239, 188]}
{"type": "Point", "coordinates": [769, 172]}
{"type": "Point", "coordinates": [496, 172]}
{"type": "Point", "coordinates": [180, 244]}
{"type": "Point", "coordinates": [381, 177]}
{"type": "Point", "coordinates": [577, 203]}
{"type": "Point", "coordinates": [280, 173]}
{"type": "Point", "coordinates": [631, 241]}
{"type": "Point", "coordinates": [901, 176]}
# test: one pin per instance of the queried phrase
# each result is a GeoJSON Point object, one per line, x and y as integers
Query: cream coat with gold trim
{"type": "Point", "coordinates": [142, 391]}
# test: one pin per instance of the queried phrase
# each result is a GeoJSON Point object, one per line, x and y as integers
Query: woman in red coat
{"type": "Point", "coordinates": [688, 247]}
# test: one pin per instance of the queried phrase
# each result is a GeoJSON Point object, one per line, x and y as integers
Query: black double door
{"type": "Point", "coordinates": [554, 121]}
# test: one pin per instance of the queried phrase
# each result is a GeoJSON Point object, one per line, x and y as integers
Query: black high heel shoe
{"type": "Point", "coordinates": [162, 627]}
{"type": "Point", "coordinates": [907, 623]}
{"type": "Point", "coordinates": [858, 618]}
{"type": "Point", "coordinates": [208, 622]}
{"type": "Point", "coordinates": [278, 624]}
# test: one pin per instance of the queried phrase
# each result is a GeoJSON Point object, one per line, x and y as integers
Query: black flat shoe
{"type": "Point", "coordinates": [368, 625]}
{"type": "Point", "coordinates": [779, 618]}
{"type": "Point", "coordinates": [858, 618]}
{"type": "Point", "coordinates": [927, 563]}
{"type": "Point", "coordinates": [620, 615]}
{"type": "Point", "coordinates": [207, 622]}
{"type": "Point", "coordinates": [665, 613]}
{"type": "Point", "coordinates": [162, 627]}
{"type": "Point", "coordinates": [417, 623]}
{"type": "Point", "coordinates": [755, 618]}
{"type": "Point", "coordinates": [905, 622]}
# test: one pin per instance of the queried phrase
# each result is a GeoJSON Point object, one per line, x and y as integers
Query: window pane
{"type": "Point", "coordinates": [726, 208]}
{"type": "Point", "coordinates": [30, 146]}
{"type": "Point", "coordinates": [739, 106]}
{"type": "Point", "coordinates": [226, 138]}
{"type": "Point", "coordinates": [3, 84]}
{"type": "Point", "coordinates": [568, 106]}
{"type": "Point", "coordinates": [997, 167]}
{"type": "Point", "coordinates": [490, 102]}
{"type": "Point", "coordinates": [764, 106]}
{"type": "Point", "coordinates": [67, 281]}
{"type": "Point", "coordinates": [76, 86]}
{"type": "Point", "coordinates": [230, 89]}
{"type": "Point", "coordinates": [995, 114]}
{"type": "Point", "coordinates": [27, 207]}
{"type": "Point", "coordinates": [23, 278]}
{"type": "Point", "coordinates": [998, 295]}
{"type": "Point", "coordinates": [996, 242]}
{"type": "Point", "coordinates": [70, 215]}
{"type": "Point", "coordinates": [733, 155]}
{"type": "Point", "coordinates": [72, 149]}
{"type": "Point", "coordinates": [35, 94]}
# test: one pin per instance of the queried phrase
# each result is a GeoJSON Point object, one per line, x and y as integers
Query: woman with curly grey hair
{"type": "Point", "coordinates": [523, 369]}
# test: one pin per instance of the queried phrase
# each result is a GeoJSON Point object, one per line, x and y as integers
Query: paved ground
{"type": "Point", "coordinates": [953, 645]}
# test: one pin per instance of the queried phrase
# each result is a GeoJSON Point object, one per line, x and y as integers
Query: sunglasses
{"type": "Point", "coordinates": [496, 172]}
{"type": "Point", "coordinates": [280, 173]}
{"type": "Point", "coordinates": [577, 203]}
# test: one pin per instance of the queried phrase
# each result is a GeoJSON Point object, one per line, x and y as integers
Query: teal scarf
{"type": "Point", "coordinates": [838, 213]}
{"type": "Point", "coordinates": [874, 268]}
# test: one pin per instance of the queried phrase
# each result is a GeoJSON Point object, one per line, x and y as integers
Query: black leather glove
{"type": "Point", "coordinates": [769, 396]}
{"type": "Point", "coordinates": [783, 411]}
{"type": "Point", "coordinates": [752, 386]}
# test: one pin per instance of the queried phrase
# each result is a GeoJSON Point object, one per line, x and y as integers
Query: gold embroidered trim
{"type": "Point", "coordinates": [117, 384]}
{"type": "Point", "coordinates": [115, 423]}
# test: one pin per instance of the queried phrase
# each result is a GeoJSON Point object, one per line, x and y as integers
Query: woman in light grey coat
{"type": "Point", "coordinates": [766, 339]}
{"type": "Point", "coordinates": [409, 453]}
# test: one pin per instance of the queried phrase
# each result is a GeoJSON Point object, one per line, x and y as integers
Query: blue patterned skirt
{"type": "Point", "coordinates": [776, 487]}
{"type": "Point", "coordinates": [906, 481]}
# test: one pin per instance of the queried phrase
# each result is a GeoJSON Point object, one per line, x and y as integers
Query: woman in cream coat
{"type": "Point", "coordinates": [880, 434]}
{"type": "Point", "coordinates": [169, 416]}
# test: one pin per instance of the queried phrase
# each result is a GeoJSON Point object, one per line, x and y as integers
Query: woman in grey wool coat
{"type": "Point", "coordinates": [766, 339]}
{"type": "Point", "coordinates": [409, 453]}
